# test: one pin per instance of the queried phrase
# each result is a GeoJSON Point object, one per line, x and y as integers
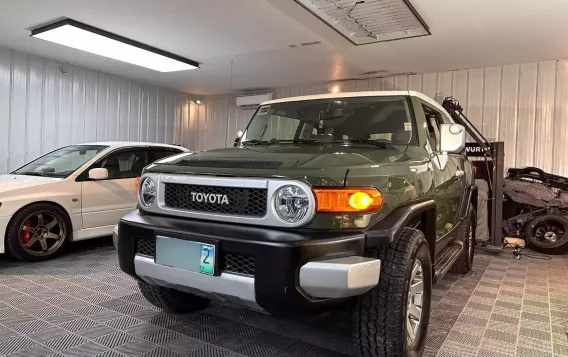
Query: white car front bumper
{"type": "Point", "coordinates": [4, 221]}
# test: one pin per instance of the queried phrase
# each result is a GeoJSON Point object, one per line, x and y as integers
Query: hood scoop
{"type": "Point", "coordinates": [232, 164]}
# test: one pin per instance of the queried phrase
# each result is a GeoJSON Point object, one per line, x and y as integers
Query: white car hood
{"type": "Point", "coordinates": [16, 182]}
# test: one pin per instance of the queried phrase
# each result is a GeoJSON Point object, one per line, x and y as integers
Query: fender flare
{"type": "Point", "coordinates": [390, 227]}
{"type": "Point", "coordinates": [470, 200]}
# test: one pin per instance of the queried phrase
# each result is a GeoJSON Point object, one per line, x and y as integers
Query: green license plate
{"type": "Point", "coordinates": [207, 259]}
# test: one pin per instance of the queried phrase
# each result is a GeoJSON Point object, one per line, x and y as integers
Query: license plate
{"type": "Point", "coordinates": [184, 254]}
{"type": "Point", "coordinates": [207, 259]}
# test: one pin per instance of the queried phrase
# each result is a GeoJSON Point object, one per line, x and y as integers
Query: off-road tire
{"type": "Point", "coordinates": [172, 300]}
{"type": "Point", "coordinates": [12, 238]}
{"type": "Point", "coordinates": [465, 262]}
{"type": "Point", "coordinates": [379, 316]}
{"type": "Point", "coordinates": [558, 247]}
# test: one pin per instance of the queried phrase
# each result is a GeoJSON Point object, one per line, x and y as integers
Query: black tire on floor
{"type": "Point", "coordinates": [172, 300]}
{"type": "Point", "coordinates": [551, 222]}
{"type": "Point", "coordinates": [467, 235]}
{"type": "Point", "coordinates": [14, 246]}
{"type": "Point", "coordinates": [379, 317]}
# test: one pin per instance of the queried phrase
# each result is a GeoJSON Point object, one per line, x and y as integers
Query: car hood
{"type": "Point", "coordinates": [16, 182]}
{"type": "Point", "coordinates": [319, 165]}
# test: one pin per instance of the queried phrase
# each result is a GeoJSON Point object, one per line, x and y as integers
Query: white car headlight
{"type": "Point", "coordinates": [291, 203]}
{"type": "Point", "coordinates": [147, 192]}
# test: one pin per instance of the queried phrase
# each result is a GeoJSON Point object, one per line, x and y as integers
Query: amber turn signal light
{"type": "Point", "coordinates": [136, 184]}
{"type": "Point", "coordinates": [348, 200]}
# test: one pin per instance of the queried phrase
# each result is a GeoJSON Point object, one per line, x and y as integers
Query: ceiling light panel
{"type": "Point", "coordinates": [369, 21]}
{"type": "Point", "coordinates": [86, 38]}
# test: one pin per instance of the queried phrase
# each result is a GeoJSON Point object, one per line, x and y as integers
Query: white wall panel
{"type": "Point", "coordinates": [415, 82]}
{"type": "Point", "coordinates": [560, 153]}
{"type": "Point", "coordinates": [430, 84]}
{"type": "Point", "coordinates": [474, 106]}
{"type": "Point", "coordinates": [18, 109]}
{"type": "Point", "coordinates": [91, 105]}
{"type": "Point", "coordinates": [444, 87]}
{"type": "Point", "coordinates": [508, 112]}
{"type": "Point", "coordinates": [526, 115]}
{"type": "Point", "coordinates": [5, 84]}
{"type": "Point", "coordinates": [544, 119]}
{"type": "Point", "coordinates": [491, 103]}
{"type": "Point", "coordinates": [45, 105]}
{"type": "Point", "coordinates": [34, 110]}
{"type": "Point", "coordinates": [78, 104]}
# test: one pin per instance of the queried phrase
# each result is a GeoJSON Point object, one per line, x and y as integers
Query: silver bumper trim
{"type": "Point", "coordinates": [230, 287]}
{"type": "Point", "coordinates": [340, 277]}
{"type": "Point", "coordinates": [115, 236]}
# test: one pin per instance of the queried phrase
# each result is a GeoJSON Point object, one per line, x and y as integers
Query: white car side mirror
{"type": "Point", "coordinates": [452, 138]}
{"type": "Point", "coordinates": [452, 141]}
{"type": "Point", "coordinates": [98, 174]}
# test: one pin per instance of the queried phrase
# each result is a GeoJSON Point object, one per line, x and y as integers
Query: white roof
{"type": "Point", "coordinates": [361, 94]}
{"type": "Point", "coordinates": [119, 144]}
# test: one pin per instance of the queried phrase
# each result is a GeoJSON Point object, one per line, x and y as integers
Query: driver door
{"type": "Point", "coordinates": [104, 202]}
{"type": "Point", "coordinates": [448, 182]}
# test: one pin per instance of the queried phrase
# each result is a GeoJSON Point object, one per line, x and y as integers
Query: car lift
{"type": "Point", "coordinates": [488, 161]}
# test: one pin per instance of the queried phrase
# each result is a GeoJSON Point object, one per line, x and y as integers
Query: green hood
{"type": "Point", "coordinates": [319, 165]}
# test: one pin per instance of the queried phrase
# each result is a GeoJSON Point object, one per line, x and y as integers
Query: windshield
{"type": "Point", "coordinates": [61, 162]}
{"type": "Point", "coordinates": [342, 120]}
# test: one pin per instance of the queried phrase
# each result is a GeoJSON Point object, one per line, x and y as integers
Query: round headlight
{"type": "Point", "coordinates": [291, 203]}
{"type": "Point", "coordinates": [147, 192]}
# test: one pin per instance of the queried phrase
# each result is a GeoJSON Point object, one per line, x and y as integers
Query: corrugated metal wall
{"type": "Point", "coordinates": [524, 105]}
{"type": "Point", "coordinates": [43, 108]}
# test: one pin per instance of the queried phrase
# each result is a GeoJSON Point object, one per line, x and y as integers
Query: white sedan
{"type": "Point", "coordinates": [73, 193]}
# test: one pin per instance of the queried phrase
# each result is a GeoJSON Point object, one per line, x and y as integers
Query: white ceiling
{"type": "Point", "coordinates": [255, 35]}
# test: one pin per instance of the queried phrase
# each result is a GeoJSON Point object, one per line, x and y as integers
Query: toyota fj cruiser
{"type": "Point", "coordinates": [361, 199]}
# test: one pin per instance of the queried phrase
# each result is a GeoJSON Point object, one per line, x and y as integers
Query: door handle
{"type": "Point", "coordinates": [459, 173]}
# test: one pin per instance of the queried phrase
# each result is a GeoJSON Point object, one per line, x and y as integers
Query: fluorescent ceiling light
{"type": "Point", "coordinates": [83, 37]}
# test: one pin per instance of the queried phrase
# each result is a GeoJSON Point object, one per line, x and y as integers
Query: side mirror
{"type": "Point", "coordinates": [452, 141]}
{"type": "Point", "coordinates": [98, 174]}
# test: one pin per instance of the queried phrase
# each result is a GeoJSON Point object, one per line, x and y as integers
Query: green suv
{"type": "Point", "coordinates": [356, 199]}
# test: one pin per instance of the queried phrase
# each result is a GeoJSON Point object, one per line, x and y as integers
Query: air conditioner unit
{"type": "Point", "coordinates": [252, 101]}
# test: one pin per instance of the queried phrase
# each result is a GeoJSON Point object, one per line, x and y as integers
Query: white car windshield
{"type": "Point", "coordinates": [61, 162]}
{"type": "Point", "coordinates": [383, 120]}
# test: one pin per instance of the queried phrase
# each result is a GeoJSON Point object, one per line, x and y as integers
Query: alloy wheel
{"type": "Point", "coordinates": [41, 234]}
{"type": "Point", "coordinates": [415, 301]}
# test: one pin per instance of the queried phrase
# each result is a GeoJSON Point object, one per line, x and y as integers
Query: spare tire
{"type": "Point", "coordinates": [548, 234]}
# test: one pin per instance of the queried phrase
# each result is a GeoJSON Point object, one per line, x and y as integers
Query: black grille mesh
{"type": "Point", "coordinates": [238, 263]}
{"type": "Point", "coordinates": [228, 164]}
{"type": "Point", "coordinates": [146, 247]}
{"type": "Point", "coordinates": [250, 202]}
{"type": "Point", "coordinates": [230, 262]}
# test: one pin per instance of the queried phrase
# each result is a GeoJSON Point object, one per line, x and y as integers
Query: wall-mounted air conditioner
{"type": "Point", "coordinates": [252, 101]}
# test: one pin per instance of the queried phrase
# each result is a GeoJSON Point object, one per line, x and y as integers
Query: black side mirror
{"type": "Point", "coordinates": [236, 143]}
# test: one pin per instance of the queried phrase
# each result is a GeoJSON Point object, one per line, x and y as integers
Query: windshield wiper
{"type": "Point", "coordinates": [256, 142]}
{"type": "Point", "coordinates": [377, 142]}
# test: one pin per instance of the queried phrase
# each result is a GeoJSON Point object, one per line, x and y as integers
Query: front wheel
{"type": "Point", "coordinates": [548, 234]}
{"type": "Point", "coordinates": [392, 318]}
{"type": "Point", "coordinates": [38, 232]}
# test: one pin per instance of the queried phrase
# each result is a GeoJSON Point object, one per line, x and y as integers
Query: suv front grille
{"type": "Point", "coordinates": [146, 247]}
{"type": "Point", "coordinates": [238, 263]}
{"type": "Point", "coordinates": [233, 263]}
{"type": "Point", "coordinates": [249, 202]}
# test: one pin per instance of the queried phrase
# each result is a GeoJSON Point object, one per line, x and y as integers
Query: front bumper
{"type": "Point", "coordinates": [273, 270]}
